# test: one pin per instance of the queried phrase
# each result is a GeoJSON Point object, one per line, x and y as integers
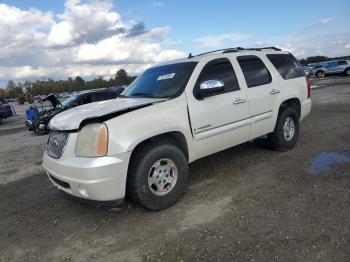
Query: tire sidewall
{"type": "Point", "coordinates": [347, 72]}
{"type": "Point", "coordinates": [289, 112]}
{"type": "Point", "coordinates": [147, 197]}
{"type": "Point", "coordinates": [320, 74]}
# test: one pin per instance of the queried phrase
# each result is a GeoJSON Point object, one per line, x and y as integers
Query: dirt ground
{"type": "Point", "coordinates": [247, 203]}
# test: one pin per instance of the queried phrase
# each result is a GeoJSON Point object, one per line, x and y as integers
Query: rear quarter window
{"type": "Point", "coordinates": [286, 65]}
{"type": "Point", "coordinates": [254, 71]}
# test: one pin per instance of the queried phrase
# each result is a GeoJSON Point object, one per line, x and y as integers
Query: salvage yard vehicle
{"type": "Point", "coordinates": [5, 110]}
{"type": "Point", "coordinates": [139, 145]}
{"type": "Point", "coordinates": [332, 67]}
{"type": "Point", "coordinates": [39, 123]}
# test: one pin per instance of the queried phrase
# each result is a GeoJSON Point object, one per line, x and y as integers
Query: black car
{"type": "Point", "coordinates": [40, 124]}
{"type": "Point", "coordinates": [5, 110]}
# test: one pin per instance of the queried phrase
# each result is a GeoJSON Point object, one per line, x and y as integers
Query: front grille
{"type": "Point", "coordinates": [56, 143]}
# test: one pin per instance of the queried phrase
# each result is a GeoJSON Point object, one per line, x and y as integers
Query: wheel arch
{"type": "Point", "coordinates": [174, 137]}
{"type": "Point", "coordinates": [291, 102]}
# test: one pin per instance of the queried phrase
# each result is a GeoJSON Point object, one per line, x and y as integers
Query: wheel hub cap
{"type": "Point", "coordinates": [288, 129]}
{"type": "Point", "coordinates": [162, 177]}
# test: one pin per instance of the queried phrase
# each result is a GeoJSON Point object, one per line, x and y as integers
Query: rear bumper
{"type": "Point", "coordinates": [305, 108]}
{"type": "Point", "coordinates": [97, 179]}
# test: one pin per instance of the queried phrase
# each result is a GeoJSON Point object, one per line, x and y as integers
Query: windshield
{"type": "Point", "coordinates": [161, 82]}
{"type": "Point", "coordinates": [70, 102]}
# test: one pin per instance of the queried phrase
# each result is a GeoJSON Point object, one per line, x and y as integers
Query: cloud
{"type": "Point", "coordinates": [327, 20]}
{"type": "Point", "coordinates": [158, 4]}
{"type": "Point", "coordinates": [215, 41]}
{"type": "Point", "coordinates": [330, 44]}
{"type": "Point", "coordinates": [347, 46]}
{"type": "Point", "coordinates": [88, 39]}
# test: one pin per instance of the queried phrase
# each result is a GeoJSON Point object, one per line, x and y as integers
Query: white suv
{"type": "Point", "coordinates": [140, 144]}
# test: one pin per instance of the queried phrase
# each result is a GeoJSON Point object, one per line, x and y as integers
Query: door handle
{"type": "Point", "coordinates": [274, 91]}
{"type": "Point", "coordinates": [239, 101]}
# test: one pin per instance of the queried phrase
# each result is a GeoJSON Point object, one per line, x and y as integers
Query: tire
{"type": "Point", "coordinates": [279, 139]}
{"type": "Point", "coordinates": [347, 71]}
{"type": "Point", "coordinates": [141, 168]}
{"type": "Point", "coordinates": [320, 74]}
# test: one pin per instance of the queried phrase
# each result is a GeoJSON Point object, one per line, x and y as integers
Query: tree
{"type": "Point", "coordinates": [122, 78]}
{"type": "Point", "coordinates": [13, 90]}
{"type": "Point", "coordinates": [2, 92]}
{"type": "Point", "coordinates": [79, 83]}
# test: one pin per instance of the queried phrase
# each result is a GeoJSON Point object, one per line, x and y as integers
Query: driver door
{"type": "Point", "coordinates": [219, 119]}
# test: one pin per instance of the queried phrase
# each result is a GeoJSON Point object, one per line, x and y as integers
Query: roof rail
{"type": "Point", "coordinates": [236, 49]}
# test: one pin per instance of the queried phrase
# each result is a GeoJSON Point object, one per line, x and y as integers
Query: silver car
{"type": "Point", "coordinates": [332, 67]}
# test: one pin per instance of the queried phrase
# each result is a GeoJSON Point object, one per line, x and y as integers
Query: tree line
{"type": "Point", "coordinates": [44, 87]}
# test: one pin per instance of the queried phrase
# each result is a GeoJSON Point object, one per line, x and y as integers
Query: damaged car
{"type": "Point", "coordinates": [6, 110]}
{"type": "Point", "coordinates": [38, 121]}
{"type": "Point", "coordinates": [139, 145]}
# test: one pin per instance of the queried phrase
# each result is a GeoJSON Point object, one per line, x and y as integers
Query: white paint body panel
{"type": "Point", "coordinates": [209, 125]}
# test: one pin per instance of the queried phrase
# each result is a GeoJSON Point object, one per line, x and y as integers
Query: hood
{"type": "Point", "coordinates": [53, 99]}
{"type": "Point", "coordinates": [72, 118]}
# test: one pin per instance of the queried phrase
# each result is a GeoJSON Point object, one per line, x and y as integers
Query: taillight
{"type": "Point", "coordinates": [308, 86]}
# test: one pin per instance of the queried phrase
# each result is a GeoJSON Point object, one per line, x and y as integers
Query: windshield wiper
{"type": "Point", "coordinates": [143, 95]}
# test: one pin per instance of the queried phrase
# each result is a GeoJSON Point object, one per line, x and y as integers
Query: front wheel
{"type": "Point", "coordinates": [286, 133]}
{"type": "Point", "coordinates": [157, 175]}
{"type": "Point", "coordinates": [347, 71]}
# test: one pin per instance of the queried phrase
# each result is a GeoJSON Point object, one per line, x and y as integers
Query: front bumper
{"type": "Point", "coordinates": [98, 179]}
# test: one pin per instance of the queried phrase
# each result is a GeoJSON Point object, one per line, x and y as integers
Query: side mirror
{"type": "Point", "coordinates": [209, 87]}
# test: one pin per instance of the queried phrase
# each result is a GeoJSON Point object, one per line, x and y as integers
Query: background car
{"type": "Point", "coordinates": [39, 124]}
{"type": "Point", "coordinates": [5, 110]}
{"type": "Point", "coordinates": [332, 67]}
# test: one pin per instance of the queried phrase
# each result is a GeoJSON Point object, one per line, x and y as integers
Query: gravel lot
{"type": "Point", "coordinates": [247, 203]}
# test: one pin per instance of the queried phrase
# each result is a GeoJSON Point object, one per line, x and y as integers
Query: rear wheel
{"type": "Point", "coordinates": [320, 74]}
{"type": "Point", "coordinates": [157, 175]}
{"type": "Point", "coordinates": [286, 133]}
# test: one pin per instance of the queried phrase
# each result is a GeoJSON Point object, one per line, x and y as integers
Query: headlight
{"type": "Point", "coordinates": [92, 141]}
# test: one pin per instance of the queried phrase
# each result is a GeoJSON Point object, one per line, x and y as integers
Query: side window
{"type": "Point", "coordinates": [100, 96]}
{"type": "Point", "coordinates": [286, 65]}
{"type": "Point", "coordinates": [86, 99]}
{"type": "Point", "coordinates": [342, 63]}
{"type": "Point", "coordinates": [254, 71]}
{"type": "Point", "coordinates": [219, 69]}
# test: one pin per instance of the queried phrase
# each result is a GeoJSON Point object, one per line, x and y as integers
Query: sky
{"type": "Point", "coordinates": [61, 39]}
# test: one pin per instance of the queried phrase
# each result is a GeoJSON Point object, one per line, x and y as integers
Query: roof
{"type": "Point", "coordinates": [218, 53]}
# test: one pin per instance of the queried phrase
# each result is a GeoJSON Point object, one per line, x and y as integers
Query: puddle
{"type": "Point", "coordinates": [326, 160]}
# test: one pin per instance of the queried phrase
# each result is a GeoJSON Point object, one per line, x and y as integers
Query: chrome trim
{"type": "Point", "coordinates": [239, 101]}
{"type": "Point", "coordinates": [274, 91]}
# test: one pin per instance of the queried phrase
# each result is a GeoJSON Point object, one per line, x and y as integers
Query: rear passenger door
{"type": "Point", "coordinates": [262, 91]}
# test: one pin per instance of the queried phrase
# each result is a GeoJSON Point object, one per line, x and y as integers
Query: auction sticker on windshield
{"type": "Point", "coordinates": [168, 76]}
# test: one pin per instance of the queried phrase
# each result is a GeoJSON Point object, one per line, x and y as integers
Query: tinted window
{"type": "Point", "coordinates": [254, 71]}
{"type": "Point", "coordinates": [286, 65]}
{"type": "Point", "coordinates": [219, 69]}
{"type": "Point", "coordinates": [85, 99]}
{"type": "Point", "coordinates": [342, 63]}
{"type": "Point", "coordinates": [100, 96]}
